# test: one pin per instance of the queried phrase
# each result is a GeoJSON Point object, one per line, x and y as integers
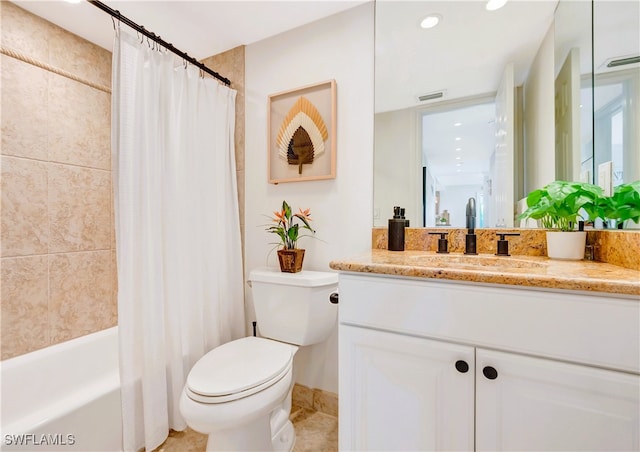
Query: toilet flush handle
{"type": "Point", "coordinates": [333, 298]}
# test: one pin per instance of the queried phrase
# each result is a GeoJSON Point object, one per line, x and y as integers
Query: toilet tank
{"type": "Point", "coordinates": [294, 307]}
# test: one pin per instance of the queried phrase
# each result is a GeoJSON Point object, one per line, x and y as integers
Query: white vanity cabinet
{"type": "Point", "coordinates": [405, 392]}
{"type": "Point", "coordinates": [441, 365]}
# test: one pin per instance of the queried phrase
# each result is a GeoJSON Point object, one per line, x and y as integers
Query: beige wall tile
{"type": "Point", "coordinates": [79, 126]}
{"type": "Point", "coordinates": [25, 292]}
{"type": "Point", "coordinates": [24, 111]}
{"type": "Point", "coordinates": [79, 209]}
{"type": "Point", "coordinates": [74, 54]}
{"type": "Point", "coordinates": [46, 117]}
{"type": "Point", "coordinates": [25, 32]}
{"type": "Point", "coordinates": [25, 224]}
{"type": "Point", "coordinates": [81, 299]}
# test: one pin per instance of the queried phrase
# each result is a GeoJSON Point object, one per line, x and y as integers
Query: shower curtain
{"type": "Point", "coordinates": [179, 259]}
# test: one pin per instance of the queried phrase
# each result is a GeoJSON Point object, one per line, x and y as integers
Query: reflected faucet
{"type": "Point", "coordinates": [470, 239]}
{"type": "Point", "coordinates": [471, 215]}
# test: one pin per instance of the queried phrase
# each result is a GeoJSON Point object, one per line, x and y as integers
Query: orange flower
{"type": "Point", "coordinates": [305, 213]}
{"type": "Point", "coordinates": [279, 216]}
{"type": "Point", "coordinates": [286, 228]}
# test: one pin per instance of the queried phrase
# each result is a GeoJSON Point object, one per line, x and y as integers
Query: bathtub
{"type": "Point", "coordinates": [63, 397]}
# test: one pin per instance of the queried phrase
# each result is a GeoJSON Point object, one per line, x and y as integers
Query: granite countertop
{"type": "Point", "coordinates": [532, 271]}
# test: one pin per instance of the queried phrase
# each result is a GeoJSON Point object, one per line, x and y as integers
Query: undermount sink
{"type": "Point", "coordinates": [475, 261]}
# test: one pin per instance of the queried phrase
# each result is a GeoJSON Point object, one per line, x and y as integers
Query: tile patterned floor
{"type": "Point", "coordinates": [315, 432]}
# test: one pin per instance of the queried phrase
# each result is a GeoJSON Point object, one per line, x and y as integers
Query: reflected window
{"type": "Point", "coordinates": [614, 128]}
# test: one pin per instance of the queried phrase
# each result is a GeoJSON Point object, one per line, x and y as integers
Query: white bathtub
{"type": "Point", "coordinates": [63, 397]}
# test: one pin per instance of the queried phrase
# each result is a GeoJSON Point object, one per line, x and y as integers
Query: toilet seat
{"type": "Point", "coordinates": [239, 369]}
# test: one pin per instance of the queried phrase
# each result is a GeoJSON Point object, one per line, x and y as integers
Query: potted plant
{"type": "Point", "coordinates": [288, 230]}
{"type": "Point", "coordinates": [557, 207]}
{"type": "Point", "coordinates": [624, 204]}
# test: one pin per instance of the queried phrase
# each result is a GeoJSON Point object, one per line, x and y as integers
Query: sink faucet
{"type": "Point", "coordinates": [470, 239]}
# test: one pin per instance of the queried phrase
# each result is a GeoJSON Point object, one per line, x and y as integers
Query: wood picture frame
{"type": "Point", "coordinates": [302, 134]}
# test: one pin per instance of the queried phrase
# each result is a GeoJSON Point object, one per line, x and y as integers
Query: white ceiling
{"type": "Point", "coordinates": [199, 28]}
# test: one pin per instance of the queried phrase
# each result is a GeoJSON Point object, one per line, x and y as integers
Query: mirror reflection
{"type": "Point", "coordinates": [573, 91]}
{"type": "Point", "coordinates": [616, 94]}
{"type": "Point", "coordinates": [545, 122]}
{"type": "Point", "coordinates": [449, 108]}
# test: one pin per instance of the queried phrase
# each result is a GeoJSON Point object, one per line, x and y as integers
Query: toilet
{"type": "Point", "coordinates": [240, 392]}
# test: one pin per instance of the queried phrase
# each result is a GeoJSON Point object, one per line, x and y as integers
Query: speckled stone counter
{"type": "Point", "coordinates": [617, 247]}
{"type": "Point", "coordinates": [531, 271]}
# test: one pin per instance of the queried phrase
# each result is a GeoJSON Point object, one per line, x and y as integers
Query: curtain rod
{"type": "Point", "coordinates": [140, 29]}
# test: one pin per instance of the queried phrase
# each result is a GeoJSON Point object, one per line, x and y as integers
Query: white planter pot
{"type": "Point", "coordinates": [566, 245]}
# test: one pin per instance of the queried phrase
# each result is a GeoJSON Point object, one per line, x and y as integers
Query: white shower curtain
{"type": "Point", "coordinates": [180, 283]}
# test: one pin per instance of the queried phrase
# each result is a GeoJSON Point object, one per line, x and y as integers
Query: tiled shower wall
{"type": "Point", "coordinates": [57, 254]}
{"type": "Point", "coordinates": [58, 249]}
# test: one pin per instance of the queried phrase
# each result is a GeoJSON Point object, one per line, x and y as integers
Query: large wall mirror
{"type": "Point", "coordinates": [468, 108]}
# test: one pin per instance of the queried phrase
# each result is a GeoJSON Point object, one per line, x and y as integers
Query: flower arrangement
{"type": "Point", "coordinates": [287, 228]}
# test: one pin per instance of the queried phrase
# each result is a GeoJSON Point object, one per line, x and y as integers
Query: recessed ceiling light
{"type": "Point", "coordinates": [457, 124]}
{"type": "Point", "coordinates": [458, 149]}
{"type": "Point", "coordinates": [492, 5]}
{"type": "Point", "coordinates": [431, 21]}
{"type": "Point", "coordinates": [459, 164]}
{"type": "Point", "coordinates": [458, 138]}
{"type": "Point", "coordinates": [458, 158]}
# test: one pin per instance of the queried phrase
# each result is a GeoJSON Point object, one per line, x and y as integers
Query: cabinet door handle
{"type": "Point", "coordinates": [462, 366]}
{"type": "Point", "coordinates": [490, 373]}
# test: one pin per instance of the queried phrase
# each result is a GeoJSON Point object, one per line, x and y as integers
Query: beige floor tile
{"type": "Point", "coordinates": [186, 441]}
{"type": "Point", "coordinates": [315, 432]}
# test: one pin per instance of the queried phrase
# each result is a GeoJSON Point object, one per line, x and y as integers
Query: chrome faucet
{"type": "Point", "coordinates": [470, 239]}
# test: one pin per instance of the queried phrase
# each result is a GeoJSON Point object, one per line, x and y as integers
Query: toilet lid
{"type": "Point", "coordinates": [238, 366]}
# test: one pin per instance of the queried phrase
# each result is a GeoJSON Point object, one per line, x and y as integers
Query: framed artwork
{"type": "Point", "coordinates": [302, 134]}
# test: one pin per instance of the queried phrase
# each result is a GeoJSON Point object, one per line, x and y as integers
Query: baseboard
{"type": "Point", "coordinates": [315, 399]}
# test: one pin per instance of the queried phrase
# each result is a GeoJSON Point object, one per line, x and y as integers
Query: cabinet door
{"type": "Point", "coordinates": [538, 404]}
{"type": "Point", "coordinates": [404, 393]}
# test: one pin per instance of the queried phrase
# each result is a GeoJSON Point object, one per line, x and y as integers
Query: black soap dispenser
{"type": "Point", "coordinates": [396, 230]}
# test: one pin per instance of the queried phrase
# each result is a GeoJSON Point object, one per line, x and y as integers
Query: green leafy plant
{"type": "Point", "coordinates": [286, 226]}
{"type": "Point", "coordinates": [624, 204]}
{"type": "Point", "coordinates": [558, 204]}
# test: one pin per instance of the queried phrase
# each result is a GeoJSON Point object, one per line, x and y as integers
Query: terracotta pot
{"type": "Point", "coordinates": [291, 260]}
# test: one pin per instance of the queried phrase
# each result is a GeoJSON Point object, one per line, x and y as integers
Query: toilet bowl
{"type": "Point", "coordinates": [239, 393]}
